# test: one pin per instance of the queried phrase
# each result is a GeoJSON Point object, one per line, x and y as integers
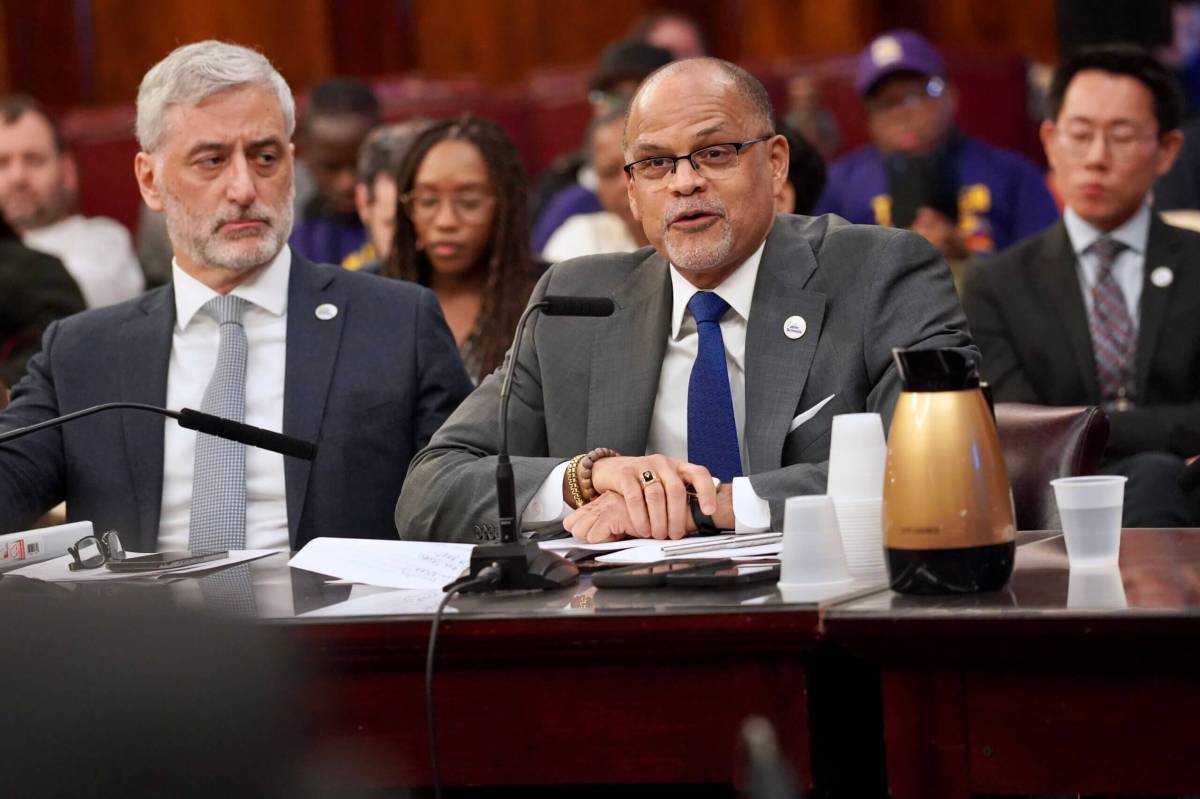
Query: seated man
{"type": "Point", "coordinates": [38, 193]}
{"type": "Point", "coordinates": [340, 114]}
{"type": "Point", "coordinates": [735, 323]}
{"type": "Point", "coordinates": [1104, 307]}
{"type": "Point", "coordinates": [248, 329]}
{"type": "Point", "coordinates": [919, 172]}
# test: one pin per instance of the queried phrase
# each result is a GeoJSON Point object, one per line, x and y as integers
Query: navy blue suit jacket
{"type": "Point", "coordinates": [370, 386]}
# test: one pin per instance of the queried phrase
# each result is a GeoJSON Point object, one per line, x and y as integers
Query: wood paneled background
{"type": "Point", "coordinates": [94, 52]}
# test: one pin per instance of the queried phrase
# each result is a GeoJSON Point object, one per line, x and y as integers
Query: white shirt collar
{"type": "Point", "coordinates": [737, 290]}
{"type": "Point", "coordinates": [267, 289]}
{"type": "Point", "coordinates": [1133, 233]}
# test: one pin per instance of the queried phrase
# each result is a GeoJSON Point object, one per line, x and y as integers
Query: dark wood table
{"type": "Point", "coordinates": [1065, 681]}
{"type": "Point", "coordinates": [568, 687]}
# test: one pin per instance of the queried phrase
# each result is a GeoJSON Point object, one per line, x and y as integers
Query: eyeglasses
{"type": "Point", "coordinates": [1122, 144]}
{"type": "Point", "coordinates": [711, 161]}
{"type": "Point", "coordinates": [470, 206]}
{"type": "Point", "coordinates": [92, 552]}
{"type": "Point", "coordinates": [888, 106]}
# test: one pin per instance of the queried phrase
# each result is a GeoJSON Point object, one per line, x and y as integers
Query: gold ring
{"type": "Point", "coordinates": [649, 478]}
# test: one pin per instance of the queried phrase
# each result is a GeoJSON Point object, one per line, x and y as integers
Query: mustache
{"type": "Point", "coordinates": [689, 206]}
{"type": "Point", "coordinates": [252, 213]}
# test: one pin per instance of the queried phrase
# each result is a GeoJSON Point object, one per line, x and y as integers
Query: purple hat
{"type": "Point", "coordinates": [896, 51]}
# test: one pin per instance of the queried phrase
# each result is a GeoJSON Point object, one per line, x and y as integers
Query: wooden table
{"type": "Point", "coordinates": [1079, 682]}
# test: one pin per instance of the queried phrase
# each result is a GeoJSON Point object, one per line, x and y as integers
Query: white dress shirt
{"type": "Point", "coordinates": [1129, 266]}
{"type": "Point", "coordinates": [97, 252]}
{"type": "Point", "coordinates": [194, 347]}
{"type": "Point", "coordinates": [588, 234]}
{"type": "Point", "coordinates": [668, 423]}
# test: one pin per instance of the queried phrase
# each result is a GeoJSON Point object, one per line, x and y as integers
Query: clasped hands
{"type": "Point", "coordinates": [647, 497]}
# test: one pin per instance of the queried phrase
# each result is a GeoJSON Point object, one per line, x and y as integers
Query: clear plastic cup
{"type": "Point", "coordinates": [857, 456]}
{"type": "Point", "coordinates": [1096, 588]}
{"type": "Point", "coordinates": [1090, 509]}
{"type": "Point", "coordinates": [812, 545]}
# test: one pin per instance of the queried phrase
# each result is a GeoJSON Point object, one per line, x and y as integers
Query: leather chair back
{"type": "Point", "coordinates": [1041, 443]}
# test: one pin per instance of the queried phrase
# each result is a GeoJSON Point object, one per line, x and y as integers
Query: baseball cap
{"type": "Point", "coordinates": [628, 59]}
{"type": "Point", "coordinates": [896, 51]}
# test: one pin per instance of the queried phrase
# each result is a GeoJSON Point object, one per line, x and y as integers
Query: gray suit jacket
{"type": "Point", "coordinates": [584, 383]}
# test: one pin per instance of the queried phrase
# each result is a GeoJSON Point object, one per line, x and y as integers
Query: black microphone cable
{"type": "Point", "coordinates": [489, 575]}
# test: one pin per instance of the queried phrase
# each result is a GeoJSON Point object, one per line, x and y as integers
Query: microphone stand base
{"type": "Point", "coordinates": [522, 567]}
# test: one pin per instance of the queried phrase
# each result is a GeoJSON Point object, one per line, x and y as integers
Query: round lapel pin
{"type": "Point", "coordinates": [326, 311]}
{"type": "Point", "coordinates": [1162, 276]}
{"type": "Point", "coordinates": [794, 327]}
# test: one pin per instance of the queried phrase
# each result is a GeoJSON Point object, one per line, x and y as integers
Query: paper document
{"type": "Point", "coordinates": [654, 552]}
{"type": "Point", "coordinates": [391, 564]}
{"type": "Point", "coordinates": [563, 544]}
{"type": "Point", "coordinates": [386, 603]}
{"type": "Point", "coordinates": [58, 571]}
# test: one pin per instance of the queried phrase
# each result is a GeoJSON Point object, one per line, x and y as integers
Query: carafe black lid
{"type": "Point", "coordinates": [942, 369]}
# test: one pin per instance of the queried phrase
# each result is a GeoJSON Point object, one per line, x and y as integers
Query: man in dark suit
{"type": "Point", "coordinates": [1104, 307]}
{"type": "Point", "coordinates": [734, 342]}
{"type": "Point", "coordinates": [247, 329]}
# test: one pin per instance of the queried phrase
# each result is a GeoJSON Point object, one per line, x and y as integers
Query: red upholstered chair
{"type": "Point", "coordinates": [1041, 443]}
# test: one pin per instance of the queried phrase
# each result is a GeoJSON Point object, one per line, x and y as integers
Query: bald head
{"type": "Point", "coordinates": [680, 75]}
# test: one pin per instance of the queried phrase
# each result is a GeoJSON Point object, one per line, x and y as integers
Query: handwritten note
{"type": "Point", "coordinates": [391, 564]}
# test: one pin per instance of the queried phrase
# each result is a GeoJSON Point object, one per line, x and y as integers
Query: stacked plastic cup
{"type": "Point", "coordinates": [857, 459]}
{"type": "Point", "coordinates": [812, 564]}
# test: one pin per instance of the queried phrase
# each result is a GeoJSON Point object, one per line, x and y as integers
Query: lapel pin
{"type": "Point", "coordinates": [1162, 276]}
{"type": "Point", "coordinates": [794, 327]}
{"type": "Point", "coordinates": [326, 311]}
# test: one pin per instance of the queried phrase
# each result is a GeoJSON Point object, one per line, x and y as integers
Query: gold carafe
{"type": "Point", "coordinates": [948, 524]}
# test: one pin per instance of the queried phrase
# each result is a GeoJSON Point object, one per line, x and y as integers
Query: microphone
{"type": "Point", "coordinates": [1189, 478]}
{"type": "Point", "coordinates": [525, 566]}
{"type": "Point", "coordinates": [192, 420]}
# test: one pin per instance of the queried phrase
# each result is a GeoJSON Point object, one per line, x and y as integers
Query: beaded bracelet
{"type": "Point", "coordinates": [573, 482]}
{"type": "Point", "coordinates": [584, 471]}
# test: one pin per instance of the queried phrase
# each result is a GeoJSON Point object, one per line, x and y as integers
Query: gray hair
{"type": "Point", "coordinates": [194, 72]}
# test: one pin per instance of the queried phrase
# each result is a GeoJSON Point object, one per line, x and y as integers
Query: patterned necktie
{"type": "Point", "coordinates": [1111, 325]}
{"type": "Point", "coordinates": [712, 429]}
{"type": "Point", "coordinates": [218, 519]}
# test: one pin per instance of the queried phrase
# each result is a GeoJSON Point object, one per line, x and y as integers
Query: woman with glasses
{"type": "Point", "coordinates": [462, 229]}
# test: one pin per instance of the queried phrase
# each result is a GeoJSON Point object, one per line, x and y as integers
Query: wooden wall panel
{"type": "Point", "coordinates": [132, 35]}
{"type": "Point", "coordinates": [44, 52]}
{"type": "Point", "coordinates": [790, 28]}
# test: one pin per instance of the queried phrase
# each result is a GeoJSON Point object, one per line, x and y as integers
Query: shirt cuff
{"type": "Point", "coordinates": [751, 513]}
{"type": "Point", "coordinates": [547, 504]}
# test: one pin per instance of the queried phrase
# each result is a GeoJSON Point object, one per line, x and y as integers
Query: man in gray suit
{"type": "Point", "coordinates": [735, 341]}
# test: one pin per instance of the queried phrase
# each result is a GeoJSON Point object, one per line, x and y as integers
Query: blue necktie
{"type": "Point", "coordinates": [712, 430]}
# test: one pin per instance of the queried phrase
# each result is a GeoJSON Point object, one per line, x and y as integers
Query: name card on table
{"type": "Point", "coordinates": [390, 564]}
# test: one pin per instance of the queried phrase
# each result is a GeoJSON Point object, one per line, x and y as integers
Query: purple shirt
{"type": "Point", "coordinates": [328, 239]}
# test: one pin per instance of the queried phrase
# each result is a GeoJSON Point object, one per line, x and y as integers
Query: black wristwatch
{"type": "Point", "coordinates": [704, 523]}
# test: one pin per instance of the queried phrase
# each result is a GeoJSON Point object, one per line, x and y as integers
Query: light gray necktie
{"type": "Point", "coordinates": [218, 519]}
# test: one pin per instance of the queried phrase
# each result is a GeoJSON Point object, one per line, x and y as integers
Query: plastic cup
{"type": "Point", "coordinates": [1096, 588]}
{"type": "Point", "coordinates": [1090, 509]}
{"type": "Point", "coordinates": [812, 545]}
{"type": "Point", "coordinates": [857, 456]}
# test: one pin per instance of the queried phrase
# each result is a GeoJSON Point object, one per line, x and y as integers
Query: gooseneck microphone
{"type": "Point", "coordinates": [525, 566]}
{"type": "Point", "coordinates": [1189, 478]}
{"type": "Point", "coordinates": [192, 420]}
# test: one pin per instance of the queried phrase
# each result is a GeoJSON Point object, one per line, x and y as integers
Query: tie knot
{"type": "Point", "coordinates": [707, 307]}
{"type": "Point", "coordinates": [226, 309]}
{"type": "Point", "coordinates": [1106, 251]}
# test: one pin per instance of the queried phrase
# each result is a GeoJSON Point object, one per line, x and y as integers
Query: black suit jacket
{"type": "Point", "coordinates": [1027, 314]}
{"type": "Point", "coordinates": [35, 289]}
{"type": "Point", "coordinates": [370, 386]}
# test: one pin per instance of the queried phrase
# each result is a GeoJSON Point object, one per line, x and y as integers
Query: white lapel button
{"type": "Point", "coordinates": [1162, 276]}
{"type": "Point", "coordinates": [794, 327]}
{"type": "Point", "coordinates": [326, 311]}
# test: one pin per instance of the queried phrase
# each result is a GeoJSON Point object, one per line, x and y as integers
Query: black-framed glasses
{"type": "Point", "coordinates": [92, 552]}
{"type": "Point", "coordinates": [709, 161]}
{"type": "Point", "coordinates": [889, 105]}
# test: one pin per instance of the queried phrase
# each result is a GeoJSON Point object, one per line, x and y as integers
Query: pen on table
{"type": "Point", "coordinates": [737, 542]}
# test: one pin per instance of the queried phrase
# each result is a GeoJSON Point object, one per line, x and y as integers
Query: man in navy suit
{"type": "Point", "coordinates": [363, 366]}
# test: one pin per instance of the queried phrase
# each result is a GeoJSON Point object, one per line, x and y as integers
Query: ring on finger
{"type": "Point", "coordinates": [649, 478]}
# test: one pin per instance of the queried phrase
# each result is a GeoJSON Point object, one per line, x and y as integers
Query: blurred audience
{"type": "Point", "coordinates": [464, 232]}
{"type": "Point", "coordinates": [671, 30]}
{"type": "Point", "coordinates": [340, 114]}
{"type": "Point", "coordinates": [612, 229]}
{"type": "Point", "coordinates": [375, 192]}
{"type": "Point", "coordinates": [35, 290]}
{"type": "Point", "coordinates": [1101, 308]}
{"type": "Point", "coordinates": [39, 188]}
{"type": "Point", "coordinates": [568, 186]}
{"type": "Point", "coordinates": [966, 197]}
{"type": "Point", "coordinates": [806, 174]}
